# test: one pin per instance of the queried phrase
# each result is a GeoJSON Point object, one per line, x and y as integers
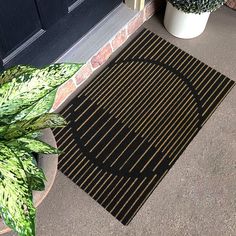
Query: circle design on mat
{"type": "Point", "coordinates": [175, 72]}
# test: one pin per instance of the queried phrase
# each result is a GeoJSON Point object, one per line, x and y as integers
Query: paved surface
{"type": "Point", "coordinates": [198, 196]}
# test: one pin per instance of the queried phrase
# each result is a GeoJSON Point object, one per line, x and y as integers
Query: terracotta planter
{"type": "Point", "coordinates": [49, 165]}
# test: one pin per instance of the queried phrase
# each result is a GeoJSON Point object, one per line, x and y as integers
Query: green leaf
{"type": "Point", "coordinates": [34, 134]}
{"type": "Point", "coordinates": [34, 145]}
{"type": "Point", "coordinates": [14, 72]}
{"type": "Point", "coordinates": [37, 181]}
{"type": "Point", "coordinates": [16, 203]}
{"type": "Point", "coordinates": [22, 128]}
{"type": "Point", "coordinates": [27, 89]}
{"type": "Point", "coordinates": [35, 175]}
{"type": "Point", "coordinates": [41, 107]}
{"type": "Point", "coordinates": [3, 130]}
{"type": "Point", "coordinates": [48, 120]}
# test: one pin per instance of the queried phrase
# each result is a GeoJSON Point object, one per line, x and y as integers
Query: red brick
{"type": "Point", "coordinates": [149, 10]}
{"type": "Point", "coordinates": [231, 3]}
{"type": "Point", "coordinates": [63, 92]}
{"type": "Point", "coordinates": [152, 7]}
{"type": "Point", "coordinates": [119, 39]}
{"type": "Point", "coordinates": [102, 56]}
{"type": "Point", "coordinates": [135, 23]}
{"type": "Point", "coordinates": [83, 73]}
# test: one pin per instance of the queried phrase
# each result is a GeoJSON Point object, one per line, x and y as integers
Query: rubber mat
{"type": "Point", "coordinates": [129, 125]}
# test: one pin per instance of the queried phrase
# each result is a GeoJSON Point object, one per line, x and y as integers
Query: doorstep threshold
{"type": "Point", "coordinates": [99, 35]}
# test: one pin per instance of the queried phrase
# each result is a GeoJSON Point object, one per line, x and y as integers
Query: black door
{"type": "Point", "coordinates": [39, 31]}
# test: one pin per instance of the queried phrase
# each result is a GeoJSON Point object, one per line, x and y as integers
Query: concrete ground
{"type": "Point", "coordinates": [198, 195]}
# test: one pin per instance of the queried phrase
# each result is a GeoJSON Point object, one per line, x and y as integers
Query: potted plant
{"type": "Point", "coordinates": [26, 97]}
{"type": "Point", "coordinates": [188, 18]}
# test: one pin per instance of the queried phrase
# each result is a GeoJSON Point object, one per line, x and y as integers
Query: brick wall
{"type": "Point", "coordinates": [231, 4]}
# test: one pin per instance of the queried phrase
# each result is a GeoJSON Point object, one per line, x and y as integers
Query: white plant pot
{"type": "Point", "coordinates": [184, 25]}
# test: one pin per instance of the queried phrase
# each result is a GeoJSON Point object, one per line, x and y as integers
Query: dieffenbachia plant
{"type": "Point", "coordinates": [197, 6]}
{"type": "Point", "coordinates": [26, 97]}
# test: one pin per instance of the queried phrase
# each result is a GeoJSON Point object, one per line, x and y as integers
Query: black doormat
{"type": "Point", "coordinates": [127, 128]}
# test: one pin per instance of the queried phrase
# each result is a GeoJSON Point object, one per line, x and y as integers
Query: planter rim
{"type": "Point", "coordinates": [49, 165]}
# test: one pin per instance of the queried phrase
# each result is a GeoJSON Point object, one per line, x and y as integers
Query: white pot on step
{"type": "Point", "coordinates": [184, 25]}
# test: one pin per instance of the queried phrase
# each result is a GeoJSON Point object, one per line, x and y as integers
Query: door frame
{"type": "Point", "coordinates": [135, 4]}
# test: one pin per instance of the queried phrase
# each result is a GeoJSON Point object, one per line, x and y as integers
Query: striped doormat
{"type": "Point", "coordinates": [127, 128]}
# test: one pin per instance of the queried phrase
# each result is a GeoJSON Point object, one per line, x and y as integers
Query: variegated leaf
{"type": "Point", "coordinates": [34, 145]}
{"type": "Point", "coordinates": [28, 89]}
{"type": "Point", "coordinates": [3, 130]}
{"type": "Point", "coordinates": [34, 174]}
{"type": "Point", "coordinates": [15, 72]}
{"type": "Point", "coordinates": [22, 128]}
{"type": "Point", "coordinates": [41, 107]}
{"type": "Point", "coordinates": [16, 203]}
